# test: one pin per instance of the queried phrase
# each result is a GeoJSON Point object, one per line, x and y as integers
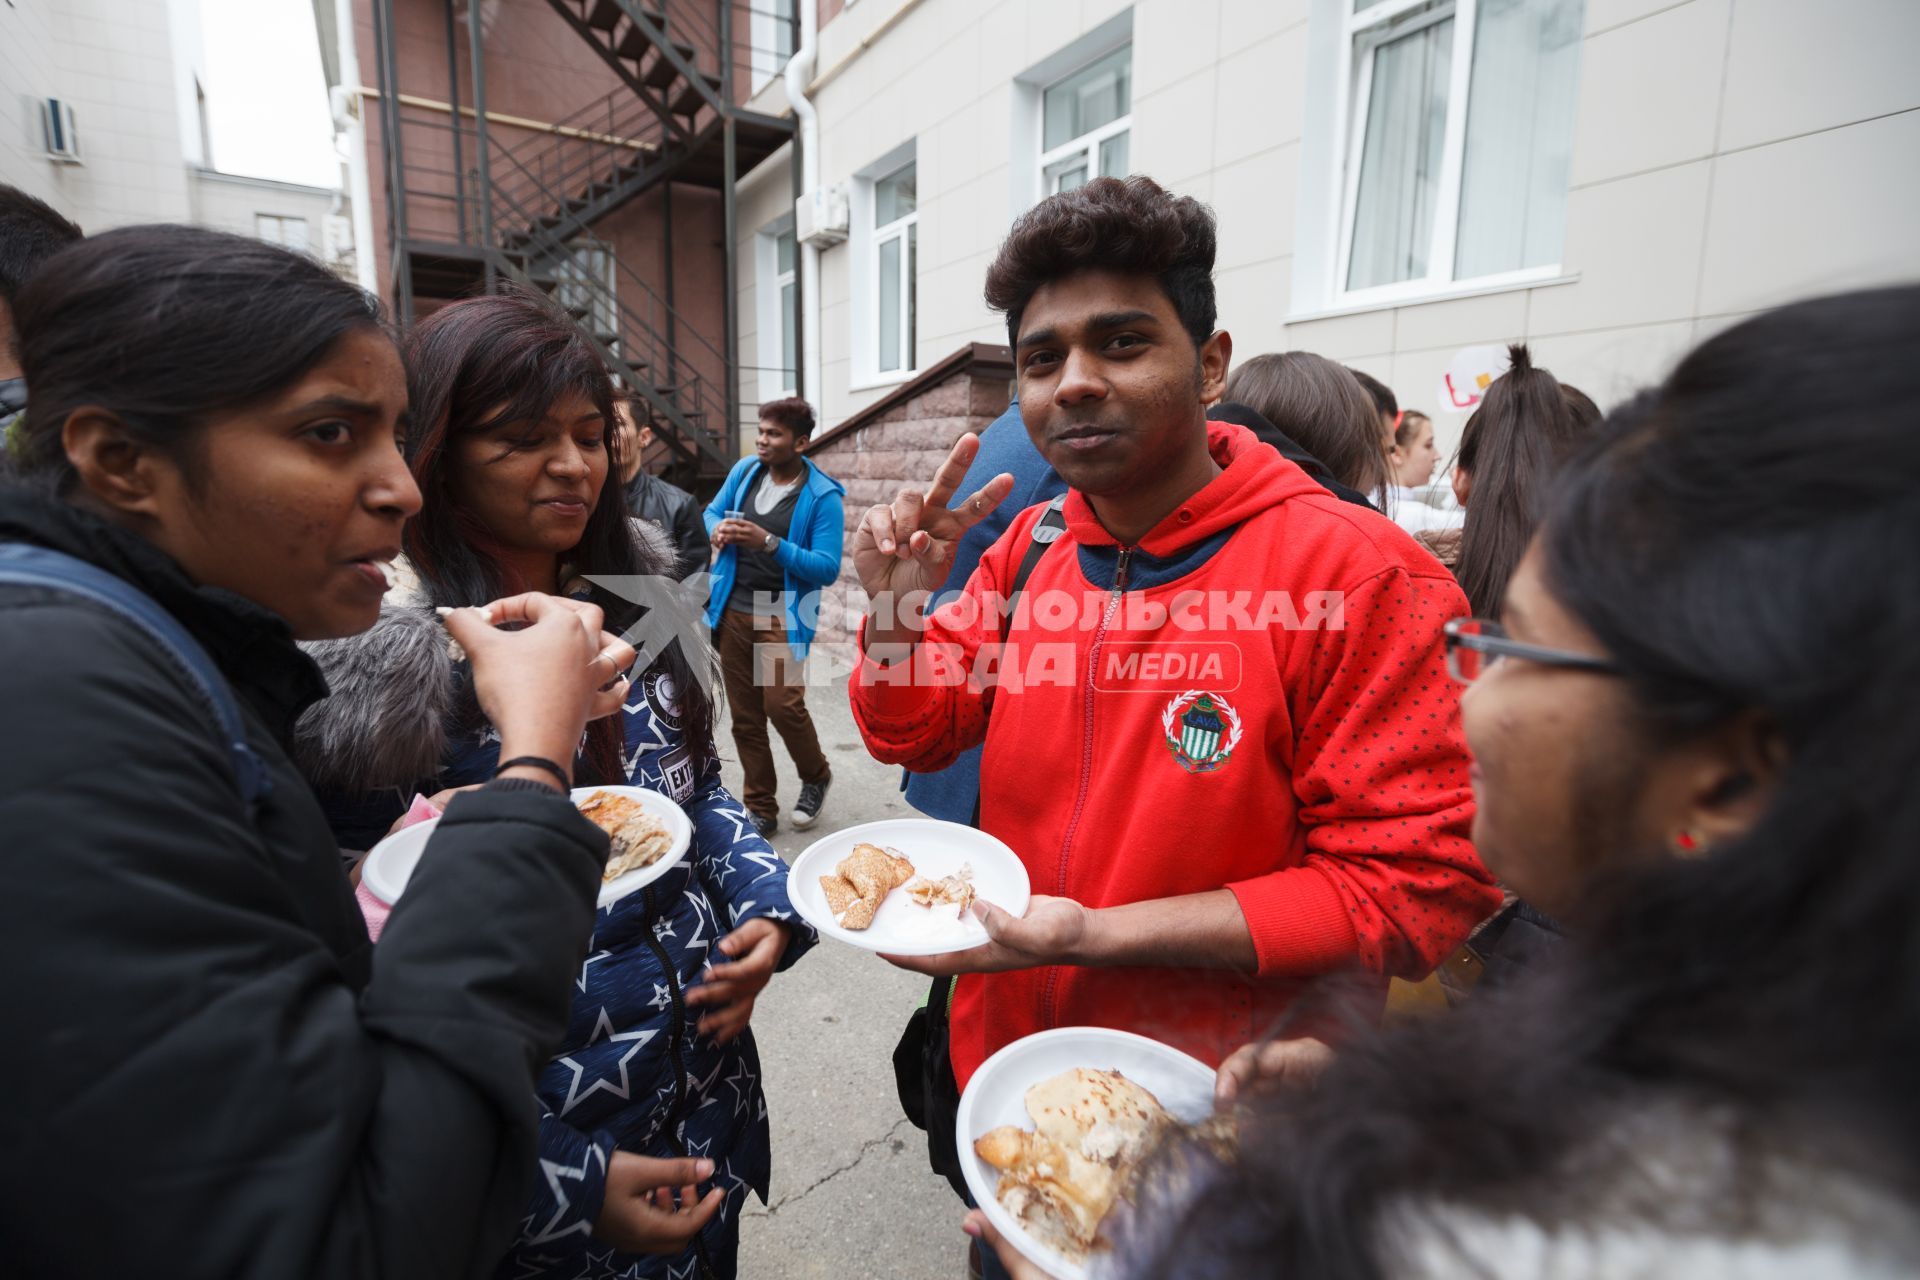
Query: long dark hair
{"type": "Point", "coordinates": [1740, 541]}
{"type": "Point", "coordinates": [507, 358]}
{"type": "Point", "coordinates": [1321, 407]}
{"type": "Point", "coordinates": [166, 327]}
{"type": "Point", "coordinates": [1510, 447]}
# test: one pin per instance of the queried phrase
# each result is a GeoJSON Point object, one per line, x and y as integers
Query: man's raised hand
{"type": "Point", "coordinates": [905, 549]}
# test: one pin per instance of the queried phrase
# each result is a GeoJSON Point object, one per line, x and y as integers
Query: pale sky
{"type": "Point", "coordinates": [266, 95]}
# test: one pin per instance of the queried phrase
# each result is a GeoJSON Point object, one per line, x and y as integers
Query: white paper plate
{"type": "Point", "coordinates": [997, 1095]}
{"type": "Point", "coordinates": [937, 849]}
{"type": "Point", "coordinates": [390, 865]}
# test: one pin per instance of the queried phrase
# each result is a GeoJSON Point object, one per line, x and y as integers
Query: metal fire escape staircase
{"type": "Point", "coordinates": [527, 212]}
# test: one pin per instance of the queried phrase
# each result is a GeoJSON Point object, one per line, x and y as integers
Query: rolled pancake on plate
{"type": "Point", "coordinates": [862, 882]}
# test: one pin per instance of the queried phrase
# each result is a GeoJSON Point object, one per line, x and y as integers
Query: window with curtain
{"type": "Point", "coordinates": [896, 220]}
{"type": "Point", "coordinates": [1459, 140]}
{"type": "Point", "coordinates": [1085, 123]}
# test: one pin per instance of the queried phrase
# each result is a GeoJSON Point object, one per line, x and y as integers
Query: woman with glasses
{"type": "Point", "coordinates": [1695, 741]}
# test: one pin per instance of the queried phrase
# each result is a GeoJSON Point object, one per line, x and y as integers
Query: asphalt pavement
{"type": "Point", "coordinates": [852, 1196]}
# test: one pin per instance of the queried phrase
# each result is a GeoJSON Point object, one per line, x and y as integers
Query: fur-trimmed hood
{"type": "Point", "coordinates": [394, 689]}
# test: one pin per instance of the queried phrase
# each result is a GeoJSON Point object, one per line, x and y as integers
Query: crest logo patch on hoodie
{"type": "Point", "coordinates": [1201, 730]}
{"type": "Point", "coordinates": [663, 695]}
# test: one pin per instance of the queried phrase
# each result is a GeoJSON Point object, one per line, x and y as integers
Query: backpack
{"type": "Point", "coordinates": [30, 566]}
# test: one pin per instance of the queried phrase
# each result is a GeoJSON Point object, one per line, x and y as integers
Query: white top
{"type": "Point", "coordinates": [1659, 1195]}
{"type": "Point", "coordinates": [1409, 510]}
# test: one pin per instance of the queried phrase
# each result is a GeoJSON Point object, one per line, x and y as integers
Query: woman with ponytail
{"type": "Point", "coordinates": [1519, 435]}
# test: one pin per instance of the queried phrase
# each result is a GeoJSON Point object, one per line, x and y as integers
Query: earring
{"type": "Point", "coordinates": [1686, 841]}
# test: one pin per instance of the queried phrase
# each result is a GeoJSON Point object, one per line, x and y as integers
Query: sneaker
{"type": "Point", "coordinates": [807, 807]}
{"type": "Point", "coordinates": [766, 824]}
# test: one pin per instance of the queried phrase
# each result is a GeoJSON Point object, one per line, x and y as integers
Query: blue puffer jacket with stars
{"type": "Point", "coordinates": [633, 1073]}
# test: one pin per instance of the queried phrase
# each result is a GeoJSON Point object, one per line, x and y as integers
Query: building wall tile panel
{"type": "Point", "coordinates": [1648, 92]}
{"type": "Point", "coordinates": [1817, 214]}
{"type": "Point", "coordinates": [1794, 67]}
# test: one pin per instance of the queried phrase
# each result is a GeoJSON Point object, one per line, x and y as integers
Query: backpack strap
{"type": "Point", "coordinates": [1051, 524]}
{"type": "Point", "coordinates": [927, 1043]}
{"type": "Point", "coordinates": [1046, 531]}
{"type": "Point", "coordinates": [23, 565]}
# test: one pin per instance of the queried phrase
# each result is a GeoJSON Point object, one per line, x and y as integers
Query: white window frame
{"type": "Point", "coordinates": [764, 21]}
{"type": "Point", "coordinates": [897, 230]}
{"type": "Point", "coordinates": [1026, 171]}
{"type": "Point", "coordinates": [1087, 143]}
{"type": "Point", "coordinates": [279, 223]}
{"type": "Point", "coordinates": [1360, 34]}
{"type": "Point", "coordinates": [863, 272]}
{"type": "Point", "coordinates": [776, 381]}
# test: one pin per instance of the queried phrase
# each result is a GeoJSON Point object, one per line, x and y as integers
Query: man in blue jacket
{"type": "Point", "coordinates": [777, 524]}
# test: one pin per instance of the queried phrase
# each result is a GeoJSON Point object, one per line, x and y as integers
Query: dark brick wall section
{"type": "Point", "coordinates": [903, 445]}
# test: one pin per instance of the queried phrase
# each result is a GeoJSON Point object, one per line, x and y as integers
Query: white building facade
{"type": "Point", "coordinates": [1608, 180]}
{"type": "Point", "coordinates": [124, 84]}
{"type": "Point", "coordinates": [130, 81]}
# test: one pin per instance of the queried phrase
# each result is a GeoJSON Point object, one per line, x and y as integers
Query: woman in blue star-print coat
{"type": "Point", "coordinates": [512, 449]}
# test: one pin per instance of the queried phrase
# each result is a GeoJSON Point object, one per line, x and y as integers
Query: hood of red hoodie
{"type": "Point", "coordinates": [1252, 478]}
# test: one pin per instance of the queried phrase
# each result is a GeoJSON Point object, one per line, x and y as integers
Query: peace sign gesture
{"type": "Point", "coordinates": [906, 549]}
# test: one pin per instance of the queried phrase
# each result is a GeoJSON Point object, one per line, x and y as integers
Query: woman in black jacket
{"type": "Point", "coordinates": [208, 1070]}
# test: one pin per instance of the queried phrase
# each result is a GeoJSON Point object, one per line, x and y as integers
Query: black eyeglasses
{"type": "Point", "coordinates": [1474, 644]}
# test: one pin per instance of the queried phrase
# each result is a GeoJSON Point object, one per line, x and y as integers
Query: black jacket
{"type": "Point", "coordinates": [678, 516]}
{"type": "Point", "coordinates": [207, 1069]}
{"type": "Point", "coordinates": [1288, 448]}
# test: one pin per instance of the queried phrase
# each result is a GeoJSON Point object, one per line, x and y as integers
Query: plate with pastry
{"type": "Point", "coordinates": [906, 886]}
{"type": "Point", "coordinates": [1053, 1128]}
{"type": "Point", "coordinates": [649, 832]}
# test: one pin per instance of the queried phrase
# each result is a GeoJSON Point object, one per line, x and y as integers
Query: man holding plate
{"type": "Point", "coordinates": [1218, 726]}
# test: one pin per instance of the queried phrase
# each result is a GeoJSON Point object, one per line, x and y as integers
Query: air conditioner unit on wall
{"type": "Point", "coordinates": [63, 137]}
{"type": "Point", "coordinates": [820, 216]}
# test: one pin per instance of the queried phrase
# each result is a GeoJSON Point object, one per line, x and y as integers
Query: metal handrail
{"type": "Point", "coordinates": [542, 244]}
{"type": "Point", "coordinates": [698, 26]}
{"type": "Point", "coordinates": [639, 315]}
{"type": "Point", "coordinates": [527, 222]}
{"type": "Point", "coordinates": [573, 165]}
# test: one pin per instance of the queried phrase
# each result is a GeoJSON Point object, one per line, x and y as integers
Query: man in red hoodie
{"type": "Point", "coordinates": [1220, 733]}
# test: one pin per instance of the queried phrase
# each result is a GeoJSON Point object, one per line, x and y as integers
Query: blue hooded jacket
{"type": "Point", "coordinates": [809, 554]}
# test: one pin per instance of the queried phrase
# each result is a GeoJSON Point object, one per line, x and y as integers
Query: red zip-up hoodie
{"type": "Point", "coordinates": [1253, 697]}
